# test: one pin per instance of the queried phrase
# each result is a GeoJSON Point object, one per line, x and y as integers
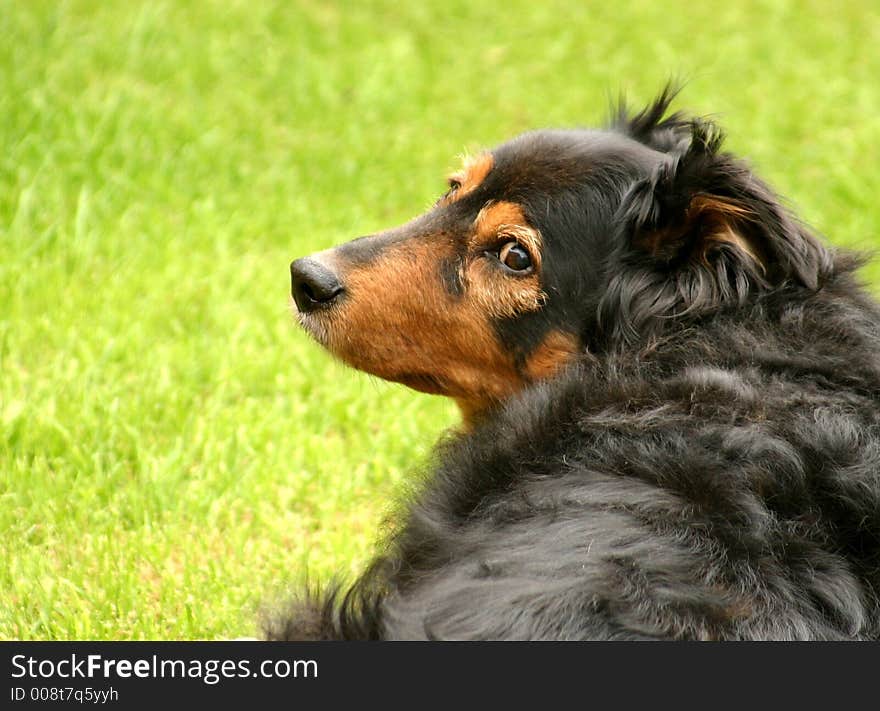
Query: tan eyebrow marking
{"type": "Point", "coordinates": [507, 218]}
{"type": "Point", "coordinates": [471, 175]}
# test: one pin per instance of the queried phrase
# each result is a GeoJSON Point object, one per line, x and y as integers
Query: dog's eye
{"type": "Point", "coordinates": [514, 256]}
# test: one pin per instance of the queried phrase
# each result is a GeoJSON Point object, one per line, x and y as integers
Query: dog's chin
{"type": "Point", "coordinates": [422, 382]}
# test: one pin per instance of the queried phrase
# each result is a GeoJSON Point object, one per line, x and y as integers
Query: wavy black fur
{"type": "Point", "coordinates": [710, 470]}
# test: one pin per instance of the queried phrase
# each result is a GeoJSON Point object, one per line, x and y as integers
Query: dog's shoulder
{"type": "Point", "coordinates": [743, 454]}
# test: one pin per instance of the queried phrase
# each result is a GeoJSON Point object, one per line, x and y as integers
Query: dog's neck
{"type": "Point", "coordinates": [472, 412]}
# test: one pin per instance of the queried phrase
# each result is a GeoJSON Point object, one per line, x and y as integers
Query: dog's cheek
{"type": "Point", "coordinates": [557, 350]}
{"type": "Point", "coordinates": [499, 296]}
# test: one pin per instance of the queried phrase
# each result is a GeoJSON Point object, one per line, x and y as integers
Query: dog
{"type": "Point", "coordinates": [670, 390]}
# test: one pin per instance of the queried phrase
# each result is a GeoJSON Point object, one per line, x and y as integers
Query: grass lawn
{"type": "Point", "coordinates": [173, 451]}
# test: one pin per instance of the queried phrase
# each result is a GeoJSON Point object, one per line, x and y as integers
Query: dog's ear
{"type": "Point", "coordinates": [700, 233]}
{"type": "Point", "coordinates": [653, 125]}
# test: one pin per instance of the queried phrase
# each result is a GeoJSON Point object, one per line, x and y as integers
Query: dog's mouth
{"type": "Point", "coordinates": [312, 324]}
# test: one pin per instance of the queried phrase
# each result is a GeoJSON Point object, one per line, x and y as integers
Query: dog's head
{"type": "Point", "coordinates": [553, 246]}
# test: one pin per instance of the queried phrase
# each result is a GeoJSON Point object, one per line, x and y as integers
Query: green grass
{"type": "Point", "coordinates": [173, 451]}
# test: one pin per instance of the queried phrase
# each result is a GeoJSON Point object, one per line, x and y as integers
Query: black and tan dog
{"type": "Point", "coordinates": [671, 392]}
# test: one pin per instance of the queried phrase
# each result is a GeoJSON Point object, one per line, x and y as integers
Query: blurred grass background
{"type": "Point", "coordinates": [173, 451]}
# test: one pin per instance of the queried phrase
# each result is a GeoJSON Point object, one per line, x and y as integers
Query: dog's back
{"type": "Point", "coordinates": [726, 486]}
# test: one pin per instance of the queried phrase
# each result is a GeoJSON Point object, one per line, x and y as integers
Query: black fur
{"type": "Point", "coordinates": [710, 469]}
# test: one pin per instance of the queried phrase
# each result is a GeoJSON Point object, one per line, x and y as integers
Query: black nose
{"type": "Point", "coordinates": [313, 285]}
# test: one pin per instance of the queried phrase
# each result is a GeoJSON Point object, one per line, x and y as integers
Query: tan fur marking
{"type": "Point", "coordinates": [472, 174]}
{"type": "Point", "coordinates": [724, 218]}
{"type": "Point", "coordinates": [734, 239]}
{"type": "Point", "coordinates": [720, 221]}
{"type": "Point", "coordinates": [557, 349]}
{"type": "Point", "coordinates": [707, 203]}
